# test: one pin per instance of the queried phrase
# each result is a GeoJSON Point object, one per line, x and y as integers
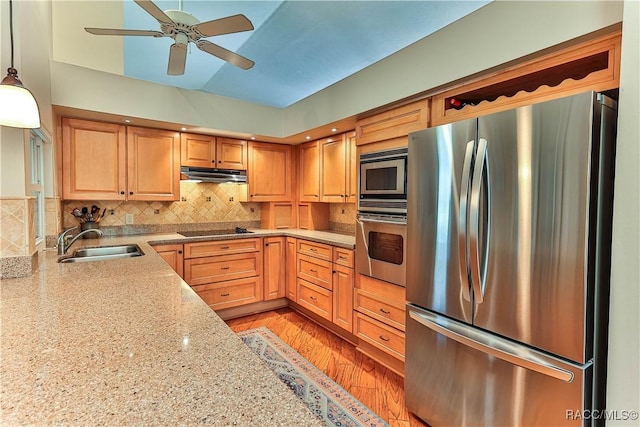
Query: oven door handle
{"type": "Point", "coordinates": [399, 221]}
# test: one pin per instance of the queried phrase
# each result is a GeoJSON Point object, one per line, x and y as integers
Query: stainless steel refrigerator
{"type": "Point", "coordinates": [508, 263]}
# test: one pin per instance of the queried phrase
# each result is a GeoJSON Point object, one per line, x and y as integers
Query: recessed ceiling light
{"type": "Point", "coordinates": [307, 137]}
{"type": "Point", "coordinates": [183, 129]}
{"type": "Point", "coordinates": [127, 121]}
{"type": "Point", "coordinates": [253, 138]}
{"type": "Point", "coordinates": [334, 129]}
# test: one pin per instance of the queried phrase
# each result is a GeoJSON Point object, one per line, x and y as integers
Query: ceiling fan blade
{"type": "Point", "coordinates": [228, 25]}
{"type": "Point", "coordinates": [154, 11]}
{"type": "Point", "coordinates": [177, 59]}
{"type": "Point", "coordinates": [120, 32]}
{"type": "Point", "coordinates": [224, 54]}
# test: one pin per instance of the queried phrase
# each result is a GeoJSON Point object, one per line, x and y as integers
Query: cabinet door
{"type": "Point", "coordinates": [274, 268]}
{"type": "Point", "coordinates": [197, 150]}
{"type": "Point", "coordinates": [93, 160]}
{"type": "Point", "coordinates": [333, 155]}
{"type": "Point", "coordinates": [343, 297]}
{"type": "Point", "coordinates": [153, 164]}
{"type": "Point", "coordinates": [269, 172]}
{"type": "Point", "coordinates": [173, 255]}
{"type": "Point", "coordinates": [291, 275]}
{"type": "Point", "coordinates": [351, 170]}
{"type": "Point", "coordinates": [310, 172]}
{"type": "Point", "coordinates": [231, 154]}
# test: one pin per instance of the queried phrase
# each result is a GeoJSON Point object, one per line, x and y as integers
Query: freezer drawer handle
{"type": "Point", "coordinates": [497, 347]}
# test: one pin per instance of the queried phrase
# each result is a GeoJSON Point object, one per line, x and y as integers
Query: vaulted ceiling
{"type": "Point", "coordinates": [299, 47]}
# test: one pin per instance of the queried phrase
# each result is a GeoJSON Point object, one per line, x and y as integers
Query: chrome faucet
{"type": "Point", "coordinates": [63, 238]}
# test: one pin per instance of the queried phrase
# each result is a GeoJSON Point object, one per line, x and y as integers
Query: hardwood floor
{"type": "Point", "coordinates": [374, 385]}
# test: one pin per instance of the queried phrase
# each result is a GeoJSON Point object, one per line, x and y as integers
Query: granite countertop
{"type": "Point", "coordinates": [127, 342]}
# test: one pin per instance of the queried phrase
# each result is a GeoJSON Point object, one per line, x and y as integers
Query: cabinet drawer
{"type": "Point", "coordinates": [198, 271]}
{"type": "Point", "coordinates": [315, 270]}
{"type": "Point", "coordinates": [392, 294]}
{"type": "Point", "coordinates": [343, 256]}
{"type": "Point", "coordinates": [221, 247]}
{"type": "Point", "coordinates": [376, 333]}
{"type": "Point", "coordinates": [313, 249]}
{"type": "Point", "coordinates": [375, 306]}
{"type": "Point", "coordinates": [231, 293]}
{"type": "Point", "coordinates": [314, 298]}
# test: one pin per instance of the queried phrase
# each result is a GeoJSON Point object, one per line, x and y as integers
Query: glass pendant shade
{"type": "Point", "coordinates": [18, 107]}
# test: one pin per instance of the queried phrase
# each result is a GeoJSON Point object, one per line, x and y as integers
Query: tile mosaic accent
{"type": "Point", "coordinates": [17, 237]}
{"type": "Point", "coordinates": [13, 227]}
{"type": "Point", "coordinates": [343, 213]}
{"type": "Point", "coordinates": [200, 203]}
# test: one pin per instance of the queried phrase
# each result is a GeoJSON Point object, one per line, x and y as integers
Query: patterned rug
{"type": "Point", "coordinates": [331, 403]}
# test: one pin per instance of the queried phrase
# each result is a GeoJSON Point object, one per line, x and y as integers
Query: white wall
{"type": "Point", "coordinates": [32, 30]}
{"type": "Point", "coordinates": [623, 385]}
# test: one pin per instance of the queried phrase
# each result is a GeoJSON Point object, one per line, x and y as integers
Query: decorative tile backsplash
{"type": "Point", "coordinates": [200, 203]}
{"type": "Point", "coordinates": [17, 227]}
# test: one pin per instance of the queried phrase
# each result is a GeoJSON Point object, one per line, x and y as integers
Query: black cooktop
{"type": "Point", "coordinates": [199, 233]}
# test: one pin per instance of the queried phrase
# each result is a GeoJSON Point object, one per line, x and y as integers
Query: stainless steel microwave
{"type": "Point", "coordinates": [383, 181]}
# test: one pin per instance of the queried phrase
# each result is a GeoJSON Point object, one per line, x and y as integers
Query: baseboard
{"type": "Point", "coordinates": [381, 357]}
{"type": "Point", "coordinates": [255, 308]}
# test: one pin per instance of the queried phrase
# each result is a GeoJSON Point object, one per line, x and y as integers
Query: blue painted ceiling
{"type": "Point", "coordinates": [299, 47]}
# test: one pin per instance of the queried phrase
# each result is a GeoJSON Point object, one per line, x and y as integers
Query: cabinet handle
{"type": "Point", "coordinates": [266, 244]}
{"type": "Point", "coordinates": [224, 247]}
{"type": "Point", "coordinates": [122, 192]}
{"type": "Point", "coordinates": [312, 270]}
{"type": "Point", "coordinates": [224, 268]}
{"type": "Point", "coordinates": [179, 252]}
{"type": "Point", "coordinates": [313, 298]}
{"type": "Point", "coordinates": [342, 257]}
{"type": "Point", "coordinates": [219, 161]}
{"type": "Point", "coordinates": [130, 192]}
{"type": "Point", "coordinates": [313, 249]}
{"type": "Point", "coordinates": [224, 295]}
{"type": "Point", "coordinates": [383, 338]}
{"type": "Point", "coordinates": [385, 311]}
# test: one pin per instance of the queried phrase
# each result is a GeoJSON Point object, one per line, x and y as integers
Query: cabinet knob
{"type": "Point", "coordinates": [179, 252]}
{"type": "Point", "coordinates": [213, 161]}
{"type": "Point", "coordinates": [122, 192]}
{"type": "Point", "coordinates": [266, 244]}
{"type": "Point", "coordinates": [219, 161]}
{"type": "Point", "coordinates": [130, 192]}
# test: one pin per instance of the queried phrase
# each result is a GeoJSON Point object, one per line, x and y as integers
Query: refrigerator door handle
{"type": "Point", "coordinates": [492, 345]}
{"type": "Point", "coordinates": [462, 221]}
{"type": "Point", "coordinates": [480, 175]}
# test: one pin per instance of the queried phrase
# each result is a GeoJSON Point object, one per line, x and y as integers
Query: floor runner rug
{"type": "Point", "coordinates": [327, 400]}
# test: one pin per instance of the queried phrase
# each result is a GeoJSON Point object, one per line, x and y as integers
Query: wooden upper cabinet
{"type": "Point", "coordinates": [231, 153]}
{"type": "Point", "coordinates": [204, 151]}
{"type": "Point", "coordinates": [153, 158]}
{"type": "Point", "coordinates": [334, 156]}
{"type": "Point", "coordinates": [351, 168]}
{"type": "Point", "coordinates": [395, 123]}
{"type": "Point", "coordinates": [197, 150]}
{"type": "Point", "coordinates": [310, 172]}
{"type": "Point", "coordinates": [269, 172]}
{"type": "Point", "coordinates": [94, 164]}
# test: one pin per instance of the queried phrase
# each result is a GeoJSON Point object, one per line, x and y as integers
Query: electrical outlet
{"type": "Point", "coordinates": [208, 198]}
{"type": "Point", "coordinates": [156, 211]}
{"type": "Point", "coordinates": [128, 219]}
{"type": "Point", "coordinates": [231, 199]}
{"type": "Point", "coordinates": [112, 212]}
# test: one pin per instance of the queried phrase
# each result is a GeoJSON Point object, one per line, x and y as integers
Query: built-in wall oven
{"type": "Point", "coordinates": [383, 181]}
{"type": "Point", "coordinates": [381, 246]}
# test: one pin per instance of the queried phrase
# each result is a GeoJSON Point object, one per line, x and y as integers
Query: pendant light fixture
{"type": "Point", "coordinates": [18, 107]}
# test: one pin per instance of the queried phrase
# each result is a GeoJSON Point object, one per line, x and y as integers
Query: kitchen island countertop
{"type": "Point", "coordinates": [127, 342]}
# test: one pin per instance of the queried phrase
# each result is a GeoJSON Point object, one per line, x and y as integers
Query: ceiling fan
{"type": "Point", "coordinates": [183, 28]}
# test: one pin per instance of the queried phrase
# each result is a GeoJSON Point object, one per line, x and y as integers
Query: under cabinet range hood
{"type": "Point", "coordinates": [213, 175]}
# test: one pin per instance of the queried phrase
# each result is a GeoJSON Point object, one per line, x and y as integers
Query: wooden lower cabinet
{"type": "Point", "coordinates": [291, 260]}
{"type": "Point", "coordinates": [231, 293]}
{"type": "Point", "coordinates": [315, 298]}
{"type": "Point", "coordinates": [380, 335]}
{"type": "Point", "coordinates": [274, 267]}
{"type": "Point", "coordinates": [225, 273]}
{"type": "Point", "coordinates": [379, 321]}
{"type": "Point", "coordinates": [172, 255]}
{"type": "Point", "coordinates": [325, 282]}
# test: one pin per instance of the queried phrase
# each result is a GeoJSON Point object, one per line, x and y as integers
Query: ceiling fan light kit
{"type": "Point", "coordinates": [183, 28]}
{"type": "Point", "coordinates": [18, 107]}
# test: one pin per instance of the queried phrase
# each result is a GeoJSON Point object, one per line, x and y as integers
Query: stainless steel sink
{"type": "Point", "coordinates": [103, 253]}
